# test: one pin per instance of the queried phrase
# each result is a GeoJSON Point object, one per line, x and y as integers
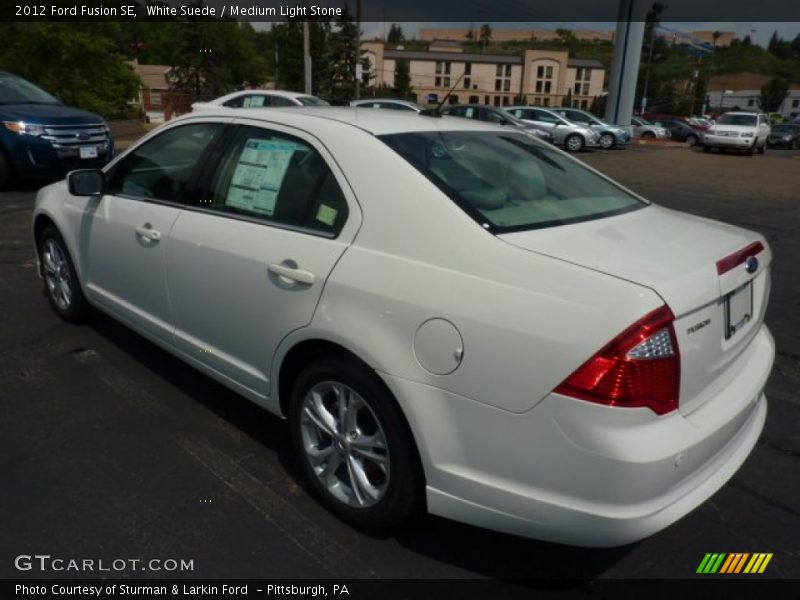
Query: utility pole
{"type": "Point", "coordinates": [358, 50]}
{"type": "Point", "coordinates": [647, 69]}
{"type": "Point", "coordinates": [307, 54]}
{"type": "Point", "coordinates": [625, 62]}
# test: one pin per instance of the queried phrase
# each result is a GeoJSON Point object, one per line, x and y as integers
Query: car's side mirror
{"type": "Point", "coordinates": [86, 182]}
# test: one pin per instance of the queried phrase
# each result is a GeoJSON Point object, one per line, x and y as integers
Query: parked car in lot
{"type": "Point", "coordinates": [388, 103]}
{"type": "Point", "coordinates": [261, 99]}
{"type": "Point", "coordinates": [449, 313]}
{"type": "Point", "coordinates": [743, 131]}
{"type": "Point", "coordinates": [680, 131]}
{"type": "Point", "coordinates": [642, 128]}
{"type": "Point", "coordinates": [699, 123]}
{"type": "Point", "coordinates": [611, 136]}
{"type": "Point", "coordinates": [42, 138]}
{"type": "Point", "coordinates": [498, 116]}
{"type": "Point", "coordinates": [784, 135]}
{"type": "Point", "coordinates": [572, 136]}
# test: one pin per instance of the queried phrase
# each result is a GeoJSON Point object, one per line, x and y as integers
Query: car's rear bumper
{"type": "Point", "coordinates": [579, 473]}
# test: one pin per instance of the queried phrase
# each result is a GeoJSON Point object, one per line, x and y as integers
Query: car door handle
{"type": "Point", "coordinates": [147, 231]}
{"type": "Point", "coordinates": [293, 273]}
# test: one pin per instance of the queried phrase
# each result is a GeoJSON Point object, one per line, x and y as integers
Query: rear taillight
{"type": "Point", "coordinates": [640, 367]}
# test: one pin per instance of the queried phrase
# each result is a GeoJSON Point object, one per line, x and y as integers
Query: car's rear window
{"type": "Point", "coordinates": [747, 120]}
{"type": "Point", "coordinates": [510, 182]}
{"type": "Point", "coordinates": [311, 101]}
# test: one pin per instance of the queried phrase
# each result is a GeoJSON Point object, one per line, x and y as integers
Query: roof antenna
{"type": "Point", "coordinates": [436, 112]}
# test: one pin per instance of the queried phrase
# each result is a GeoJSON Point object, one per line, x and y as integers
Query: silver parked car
{"type": "Point", "coordinates": [642, 128]}
{"type": "Point", "coordinates": [611, 136]}
{"type": "Point", "coordinates": [498, 116]}
{"type": "Point", "coordinates": [573, 136]}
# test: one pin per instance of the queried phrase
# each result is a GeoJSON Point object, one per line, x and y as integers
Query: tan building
{"type": "Point", "coordinates": [536, 77]}
{"type": "Point", "coordinates": [154, 96]}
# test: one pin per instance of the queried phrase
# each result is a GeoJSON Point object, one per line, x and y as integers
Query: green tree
{"type": "Point", "coordinates": [402, 79]}
{"type": "Point", "coordinates": [212, 57]}
{"type": "Point", "coordinates": [773, 94]}
{"type": "Point", "coordinates": [470, 35]}
{"type": "Point", "coordinates": [567, 99]}
{"type": "Point", "coordinates": [565, 36]}
{"type": "Point", "coordinates": [283, 44]}
{"type": "Point", "coordinates": [79, 62]}
{"type": "Point", "coordinates": [341, 57]}
{"type": "Point", "coordinates": [395, 35]}
{"type": "Point", "coordinates": [485, 36]}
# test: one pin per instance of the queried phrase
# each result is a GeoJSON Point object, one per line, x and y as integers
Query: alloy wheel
{"type": "Point", "coordinates": [345, 444]}
{"type": "Point", "coordinates": [57, 274]}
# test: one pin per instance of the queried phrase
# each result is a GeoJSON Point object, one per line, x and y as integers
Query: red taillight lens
{"type": "Point", "coordinates": [640, 367]}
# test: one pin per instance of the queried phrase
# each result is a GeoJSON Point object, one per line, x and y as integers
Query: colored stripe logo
{"type": "Point", "coordinates": [734, 563]}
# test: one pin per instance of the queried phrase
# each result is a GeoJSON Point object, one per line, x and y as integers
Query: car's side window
{"type": "Point", "coordinates": [281, 101]}
{"type": "Point", "coordinates": [161, 167]}
{"type": "Point", "coordinates": [494, 117]}
{"type": "Point", "coordinates": [255, 101]}
{"type": "Point", "coordinates": [278, 178]}
{"type": "Point", "coordinates": [577, 117]}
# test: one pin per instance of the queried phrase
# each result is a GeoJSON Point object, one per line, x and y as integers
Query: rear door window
{"type": "Point", "coordinates": [277, 178]}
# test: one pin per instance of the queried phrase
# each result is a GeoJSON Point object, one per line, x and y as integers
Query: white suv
{"type": "Point", "coordinates": [739, 131]}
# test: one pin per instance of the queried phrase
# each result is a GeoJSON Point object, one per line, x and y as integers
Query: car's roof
{"type": "Point", "coordinates": [280, 93]}
{"type": "Point", "coordinates": [474, 105]}
{"type": "Point", "coordinates": [544, 108]}
{"type": "Point", "coordinates": [393, 100]}
{"type": "Point", "coordinates": [376, 122]}
{"type": "Point", "coordinates": [284, 93]}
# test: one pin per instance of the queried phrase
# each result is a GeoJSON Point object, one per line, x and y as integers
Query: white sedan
{"type": "Point", "coordinates": [260, 99]}
{"type": "Point", "coordinates": [451, 315]}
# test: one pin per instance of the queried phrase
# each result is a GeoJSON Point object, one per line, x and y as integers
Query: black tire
{"type": "Point", "coordinates": [706, 148]}
{"type": "Point", "coordinates": [574, 143]}
{"type": "Point", "coordinates": [751, 150]}
{"type": "Point", "coordinates": [607, 141]}
{"type": "Point", "coordinates": [691, 140]}
{"type": "Point", "coordinates": [402, 495]}
{"type": "Point", "coordinates": [6, 173]}
{"type": "Point", "coordinates": [762, 148]}
{"type": "Point", "coordinates": [58, 271]}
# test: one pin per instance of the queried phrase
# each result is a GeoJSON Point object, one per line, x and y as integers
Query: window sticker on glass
{"type": "Point", "coordinates": [259, 174]}
{"type": "Point", "coordinates": [253, 101]}
{"type": "Point", "coordinates": [327, 215]}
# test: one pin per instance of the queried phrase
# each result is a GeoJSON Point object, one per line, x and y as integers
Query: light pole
{"type": "Point", "coordinates": [307, 54]}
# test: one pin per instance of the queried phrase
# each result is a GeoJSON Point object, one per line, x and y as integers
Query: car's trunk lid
{"type": "Point", "coordinates": [677, 256]}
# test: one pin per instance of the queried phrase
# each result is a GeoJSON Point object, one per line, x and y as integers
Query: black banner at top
{"type": "Point", "coordinates": [438, 11]}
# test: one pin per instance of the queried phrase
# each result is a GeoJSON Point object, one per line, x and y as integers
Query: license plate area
{"type": "Point", "coordinates": [738, 309]}
{"type": "Point", "coordinates": [88, 151]}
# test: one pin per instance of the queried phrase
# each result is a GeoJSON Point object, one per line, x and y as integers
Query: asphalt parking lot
{"type": "Point", "coordinates": [111, 448]}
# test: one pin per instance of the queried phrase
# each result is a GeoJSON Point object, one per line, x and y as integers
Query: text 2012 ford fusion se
{"type": "Point", "coordinates": [453, 316]}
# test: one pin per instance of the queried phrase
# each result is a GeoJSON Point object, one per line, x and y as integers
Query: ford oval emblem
{"type": "Point", "coordinates": [82, 136]}
{"type": "Point", "coordinates": [751, 264]}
